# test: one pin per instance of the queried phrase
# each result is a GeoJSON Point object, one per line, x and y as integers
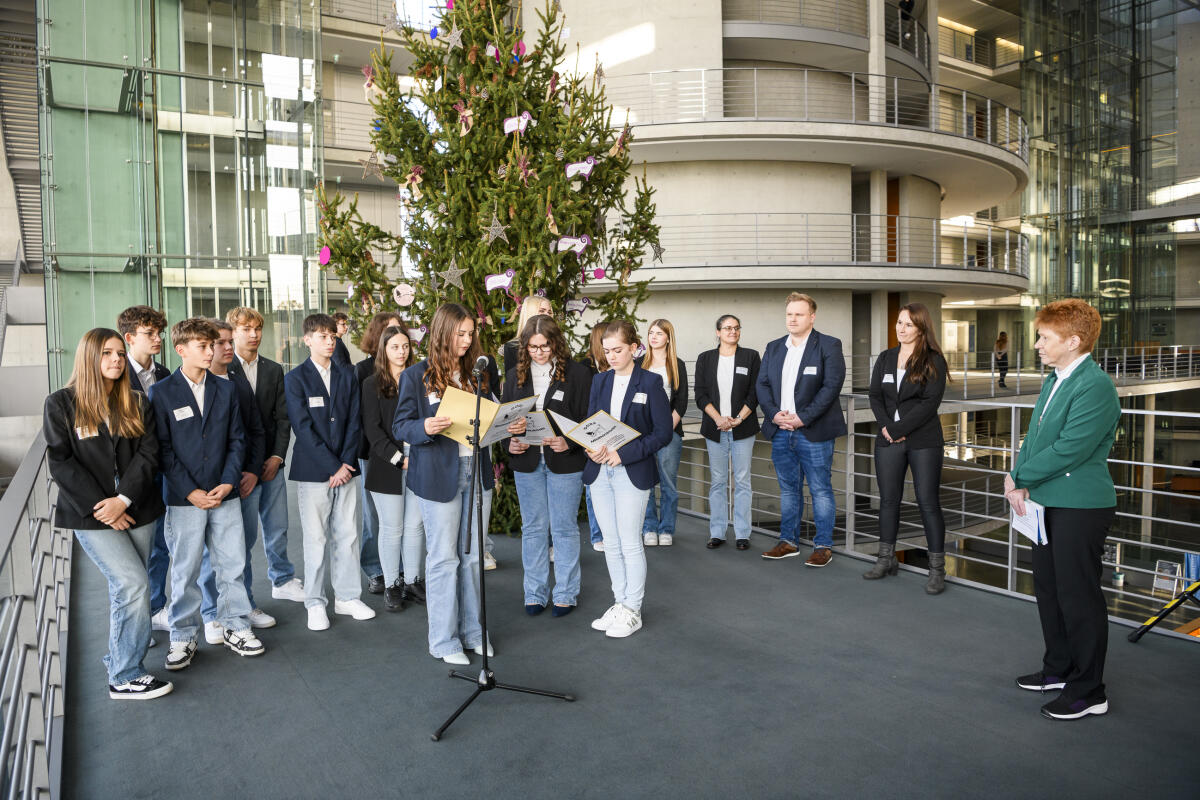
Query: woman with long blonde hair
{"type": "Point", "coordinates": [103, 454]}
{"type": "Point", "coordinates": [661, 359]}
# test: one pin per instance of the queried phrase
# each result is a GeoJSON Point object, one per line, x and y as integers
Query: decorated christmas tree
{"type": "Point", "coordinates": [512, 175]}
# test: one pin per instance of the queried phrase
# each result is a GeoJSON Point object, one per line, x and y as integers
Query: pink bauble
{"type": "Point", "coordinates": [325, 255]}
{"type": "Point", "coordinates": [598, 274]}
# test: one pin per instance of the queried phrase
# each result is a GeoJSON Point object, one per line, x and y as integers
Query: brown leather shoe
{"type": "Point", "coordinates": [782, 550]}
{"type": "Point", "coordinates": [819, 558]}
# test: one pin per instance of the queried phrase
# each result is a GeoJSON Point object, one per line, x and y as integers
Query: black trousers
{"type": "Point", "coordinates": [1066, 582]}
{"type": "Point", "coordinates": [892, 461]}
{"type": "Point", "coordinates": [1002, 366]}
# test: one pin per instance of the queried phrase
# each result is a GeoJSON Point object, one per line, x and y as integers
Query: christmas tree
{"type": "Point", "coordinates": [512, 176]}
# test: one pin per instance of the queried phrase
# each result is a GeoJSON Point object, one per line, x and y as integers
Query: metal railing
{"type": "Point", "coordinates": [977, 49]}
{"type": "Point", "coordinates": [764, 239]}
{"type": "Point", "coordinates": [906, 32]}
{"type": "Point", "coordinates": [35, 568]}
{"type": "Point", "coordinates": [1158, 506]}
{"type": "Point", "coordinates": [843, 16]}
{"type": "Point", "coordinates": [347, 123]}
{"type": "Point", "coordinates": [812, 95]}
{"type": "Point", "coordinates": [417, 13]}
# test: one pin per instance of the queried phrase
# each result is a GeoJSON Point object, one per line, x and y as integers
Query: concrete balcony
{"type": "Point", "coordinates": [975, 149]}
{"type": "Point", "coordinates": [837, 250]}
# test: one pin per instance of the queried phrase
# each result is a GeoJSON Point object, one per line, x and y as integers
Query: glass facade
{"type": "Point", "coordinates": [182, 149]}
{"type": "Point", "coordinates": [1105, 93]}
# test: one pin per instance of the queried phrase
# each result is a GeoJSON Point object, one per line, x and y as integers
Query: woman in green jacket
{"type": "Point", "coordinates": [1063, 466]}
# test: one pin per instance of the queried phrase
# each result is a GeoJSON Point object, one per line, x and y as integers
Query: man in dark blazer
{"type": "Point", "coordinates": [799, 381]}
{"type": "Point", "coordinates": [266, 379]}
{"type": "Point", "coordinates": [142, 328]}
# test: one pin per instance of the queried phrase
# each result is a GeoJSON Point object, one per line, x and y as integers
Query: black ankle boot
{"type": "Point", "coordinates": [885, 564]}
{"type": "Point", "coordinates": [937, 574]}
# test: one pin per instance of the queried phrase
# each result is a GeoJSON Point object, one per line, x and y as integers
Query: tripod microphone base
{"type": "Point", "coordinates": [485, 681]}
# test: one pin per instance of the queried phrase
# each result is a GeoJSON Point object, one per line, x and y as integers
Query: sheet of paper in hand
{"type": "Point", "coordinates": [599, 430]}
{"type": "Point", "coordinates": [494, 418]}
{"type": "Point", "coordinates": [537, 429]}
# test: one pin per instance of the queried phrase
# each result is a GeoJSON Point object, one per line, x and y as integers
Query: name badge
{"type": "Point", "coordinates": [86, 433]}
{"type": "Point", "coordinates": [557, 395]}
{"type": "Point", "coordinates": [316, 402]}
{"type": "Point", "coordinates": [810, 370]}
{"type": "Point", "coordinates": [741, 370]}
{"type": "Point", "coordinates": [888, 379]}
{"type": "Point", "coordinates": [183, 413]}
{"type": "Point", "coordinates": [433, 399]}
{"type": "Point", "coordinates": [640, 397]}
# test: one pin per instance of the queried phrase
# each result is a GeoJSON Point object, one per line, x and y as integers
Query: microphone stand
{"type": "Point", "coordinates": [486, 680]}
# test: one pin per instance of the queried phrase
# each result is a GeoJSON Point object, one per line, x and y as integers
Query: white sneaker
{"type": "Point", "coordinates": [292, 590]}
{"type": "Point", "coordinates": [650, 539]}
{"type": "Point", "coordinates": [354, 608]}
{"type": "Point", "coordinates": [260, 619]}
{"type": "Point", "coordinates": [491, 652]}
{"type": "Point", "coordinates": [244, 643]}
{"type": "Point", "coordinates": [159, 621]}
{"type": "Point", "coordinates": [153, 642]}
{"type": "Point", "coordinates": [665, 540]}
{"type": "Point", "coordinates": [458, 659]}
{"type": "Point", "coordinates": [551, 555]}
{"type": "Point", "coordinates": [598, 547]}
{"type": "Point", "coordinates": [627, 623]}
{"type": "Point", "coordinates": [608, 619]}
{"type": "Point", "coordinates": [489, 561]}
{"type": "Point", "coordinates": [214, 633]}
{"type": "Point", "coordinates": [318, 620]}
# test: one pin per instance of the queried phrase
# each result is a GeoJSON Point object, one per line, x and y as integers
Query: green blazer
{"type": "Point", "coordinates": [1063, 462]}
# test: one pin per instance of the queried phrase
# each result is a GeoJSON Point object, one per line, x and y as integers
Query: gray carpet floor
{"type": "Point", "coordinates": [750, 678]}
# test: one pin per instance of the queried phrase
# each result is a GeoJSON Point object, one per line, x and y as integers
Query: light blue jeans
{"type": "Point", "coordinates": [273, 511]}
{"type": "Point", "coordinates": [549, 511]}
{"type": "Point", "coordinates": [451, 575]}
{"type": "Point", "coordinates": [798, 460]}
{"type": "Point", "coordinates": [330, 525]}
{"type": "Point", "coordinates": [593, 526]}
{"type": "Point", "coordinates": [121, 558]}
{"type": "Point", "coordinates": [189, 531]}
{"type": "Point", "coordinates": [369, 549]}
{"type": "Point", "coordinates": [208, 581]}
{"type": "Point", "coordinates": [660, 518]}
{"type": "Point", "coordinates": [620, 508]}
{"type": "Point", "coordinates": [401, 535]}
{"type": "Point", "coordinates": [719, 456]}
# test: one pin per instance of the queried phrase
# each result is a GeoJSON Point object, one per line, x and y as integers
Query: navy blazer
{"type": "Point", "coordinates": [199, 451]}
{"type": "Point", "coordinates": [341, 353]}
{"type": "Point", "coordinates": [252, 424]}
{"type": "Point", "coordinates": [327, 430]}
{"type": "Point", "coordinates": [161, 373]}
{"type": "Point", "coordinates": [432, 460]}
{"type": "Point", "coordinates": [822, 373]}
{"type": "Point", "coordinates": [651, 418]}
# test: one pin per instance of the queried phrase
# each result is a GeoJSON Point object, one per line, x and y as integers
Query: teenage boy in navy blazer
{"type": "Point", "coordinates": [799, 381]}
{"type": "Point", "coordinates": [142, 329]}
{"type": "Point", "coordinates": [202, 447]}
{"type": "Point", "coordinates": [266, 379]}
{"type": "Point", "coordinates": [323, 404]}
{"type": "Point", "coordinates": [249, 491]}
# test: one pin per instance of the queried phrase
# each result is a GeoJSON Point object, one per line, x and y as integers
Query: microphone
{"type": "Point", "coordinates": [480, 365]}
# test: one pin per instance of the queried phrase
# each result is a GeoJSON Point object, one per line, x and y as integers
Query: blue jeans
{"type": "Point", "coordinates": [593, 526]}
{"type": "Point", "coordinates": [620, 508]}
{"type": "Point", "coordinates": [451, 575]}
{"type": "Point", "coordinates": [401, 535]}
{"type": "Point", "coordinates": [208, 580]}
{"type": "Point", "coordinates": [662, 520]}
{"type": "Point", "coordinates": [159, 563]}
{"type": "Point", "coordinates": [369, 556]}
{"type": "Point", "coordinates": [798, 460]}
{"type": "Point", "coordinates": [121, 558]}
{"type": "Point", "coordinates": [720, 454]}
{"type": "Point", "coordinates": [273, 511]}
{"type": "Point", "coordinates": [549, 511]}
{"type": "Point", "coordinates": [189, 531]}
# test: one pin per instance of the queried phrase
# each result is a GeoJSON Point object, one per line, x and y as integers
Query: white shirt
{"type": "Point", "coordinates": [725, 385]}
{"type": "Point", "coordinates": [791, 373]}
{"type": "Point", "coordinates": [325, 373]}
{"type": "Point", "coordinates": [900, 373]}
{"type": "Point", "coordinates": [224, 375]}
{"type": "Point", "coordinates": [197, 389]}
{"type": "Point", "coordinates": [145, 374]}
{"type": "Point", "coordinates": [251, 370]}
{"type": "Point", "coordinates": [1063, 373]}
{"type": "Point", "coordinates": [662, 372]}
{"type": "Point", "coordinates": [620, 387]}
{"type": "Point", "coordinates": [541, 374]}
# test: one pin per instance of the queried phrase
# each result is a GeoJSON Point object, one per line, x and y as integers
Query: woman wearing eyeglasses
{"type": "Point", "coordinates": [549, 477]}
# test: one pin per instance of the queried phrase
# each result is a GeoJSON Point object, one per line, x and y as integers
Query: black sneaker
{"type": "Point", "coordinates": [1040, 682]}
{"type": "Point", "coordinates": [375, 585]}
{"type": "Point", "coordinates": [393, 596]}
{"type": "Point", "coordinates": [180, 654]}
{"type": "Point", "coordinates": [415, 592]}
{"type": "Point", "coordinates": [1074, 709]}
{"type": "Point", "coordinates": [146, 687]}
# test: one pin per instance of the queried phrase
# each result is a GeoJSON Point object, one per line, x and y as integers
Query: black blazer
{"type": "Point", "coordinates": [363, 370]}
{"type": "Point", "coordinates": [384, 471]}
{"type": "Point", "coordinates": [101, 466]}
{"type": "Point", "coordinates": [272, 405]}
{"type": "Point", "coordinates": [677, 398]}
{"type": "Point", "coordinates": [917, 402]}
{"type": "Point", "coordinates": [745, 374]}
{"type": "Point", "coordinates": [161, 373]}
{"type": "Point", "coordinates": [568, 397]}
{"type": "Point", "coordinates": [341, 353]}
{"type": "Point", "coordinates": [256, 440]}
{"type": "Point", "coordinates": [650, 416]}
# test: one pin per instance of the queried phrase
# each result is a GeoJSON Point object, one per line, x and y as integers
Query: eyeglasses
{"type": "Point", "coordinates": [538, 348]}
{"type": "Point", "coordinates": [151, 335]}
{"type": "Point", "coordinates": [731, 327]}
